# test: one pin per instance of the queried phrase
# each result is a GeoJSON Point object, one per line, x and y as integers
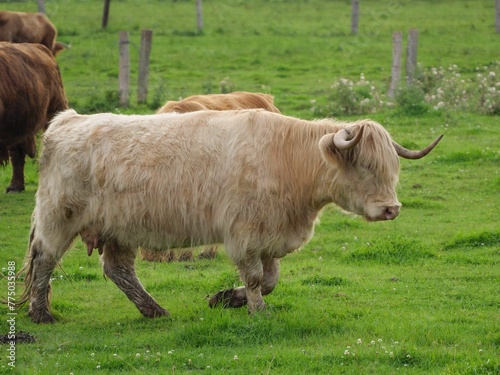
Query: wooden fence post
{"type": "Point", "coordinates": [497, 16]}
{"type": "Point", "coordinates": [41, 6]}
{"type": "Point", "coordinates": [354, 17]}
{"type": "Point", "coordinates": [199, 16]}
{"type": "Point", "coordinates": [124, 74]}
{"type": "Point", "coordinates": [411, 55]}
{"type": "Point", "coordinates": [105, 14]}
{"type": "Point", "coordinates": [397, 42]}
{"type": "Point", "coordinates": [142, 86]}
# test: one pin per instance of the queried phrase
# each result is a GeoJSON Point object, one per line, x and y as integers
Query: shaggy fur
{"type": "Point", "coordinates": [221, 102]}
{"type": "Point", "coordinates": [21, 27]}
{"type": "Point", "coordinates": [253, 180]}
{"type": "Point", "coordinates": [31, 92]}
{"type": "Point", "coordinates": [218, 102]}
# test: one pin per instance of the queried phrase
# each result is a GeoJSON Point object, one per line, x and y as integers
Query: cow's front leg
{"type": "Point", "coordinates": [17, 159]}
{"type": "Point", "coordinates": [260, 279]}
{"type": "Point", "coordinates": [258, 284]}
{"type": "Point", "coordinates": [253, 285]}
{"type": "Point", "coordinates": [118, 265]}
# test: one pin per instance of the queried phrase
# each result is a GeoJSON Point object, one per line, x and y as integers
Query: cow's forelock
{"type": "Point", "coordinates": [376, 152]}
{"type": "Point", "coordinates": [370, 171]}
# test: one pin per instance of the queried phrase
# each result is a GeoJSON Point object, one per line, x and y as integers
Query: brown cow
{"type": "Point", "coordinates": [221, 102]}
{"type": "Point", "coordinates": [21, 27]}
{"type": "Point", "coordinates": [251, 179]}
{"type": "Point", "coordinates": [31, 92]}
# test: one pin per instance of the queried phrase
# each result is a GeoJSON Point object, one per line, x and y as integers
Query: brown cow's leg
{"type": "Point", "coordinates": [118, 265]}
{"type": "Point", "coordinates": [17, 159]}
{"type": "Point", "coordinates": [258, 285]}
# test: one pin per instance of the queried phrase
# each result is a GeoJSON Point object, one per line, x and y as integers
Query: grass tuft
{"type": "Point", "coordinates": [324, 281]}
{"type": "Point", "coordinates": [84, 276]}
{"type": "Point", "coordinates": [397, 250]}
{"type": "Point", "coordinates": [484, 239]}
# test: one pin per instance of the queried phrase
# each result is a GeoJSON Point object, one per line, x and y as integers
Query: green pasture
{"type": "Point", "coordinates": [418, 295]}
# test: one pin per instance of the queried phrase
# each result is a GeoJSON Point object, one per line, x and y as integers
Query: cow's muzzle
{"type": "Point", "coordinates": [385, 213]}
{"type": "Point", "coordinates": [390, 213]}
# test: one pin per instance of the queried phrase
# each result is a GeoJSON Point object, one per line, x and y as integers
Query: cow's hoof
{"type": "Point", "coordinates": [43, 318]}
{"type": "Point", "coordinates": [14, 189]}
{"type": "Point", "coordinates": [227, 299]}
{"type": "Point", "coordinates": [257, 308]}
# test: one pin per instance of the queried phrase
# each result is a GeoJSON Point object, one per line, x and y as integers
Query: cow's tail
{"type": "Point", "coordinates": [26, 272]}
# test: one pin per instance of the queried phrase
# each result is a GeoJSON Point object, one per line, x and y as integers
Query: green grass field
{"type": "Point", "coordinates": [418, 295]}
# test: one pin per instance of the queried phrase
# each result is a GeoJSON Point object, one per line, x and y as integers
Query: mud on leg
{"type": "Point", "coordinates": [118, 265]}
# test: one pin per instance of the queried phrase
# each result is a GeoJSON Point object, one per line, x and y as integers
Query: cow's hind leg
{"type": "Point", "coordinates": [43, 256]}
{"type": "Point", "coordinates": [42, 267]}
{"type": "Point", "coordinates": [258, 282]}
{"type": "Point", "coordinates": [118, 265]}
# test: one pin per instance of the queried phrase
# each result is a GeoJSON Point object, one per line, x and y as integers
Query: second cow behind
{"type": "Point", "coordinates": [221, 102]}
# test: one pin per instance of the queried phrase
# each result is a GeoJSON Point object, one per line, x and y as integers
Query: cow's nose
{"type": "Point", "coordinates": [391, 212]}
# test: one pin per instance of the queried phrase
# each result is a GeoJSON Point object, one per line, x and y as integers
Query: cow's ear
{"type": "Point", "coordinates": [58, 47]}
{"type": "Point", "coordinates": [328, 150]}
{"type": "Point", "coordinates": [336, 146]}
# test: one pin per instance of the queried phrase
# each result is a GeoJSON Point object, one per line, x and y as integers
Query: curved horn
{"type": "Point", "coordinates": [344, 140]}
{"type": "Point", "coordinates": [409, 154]}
